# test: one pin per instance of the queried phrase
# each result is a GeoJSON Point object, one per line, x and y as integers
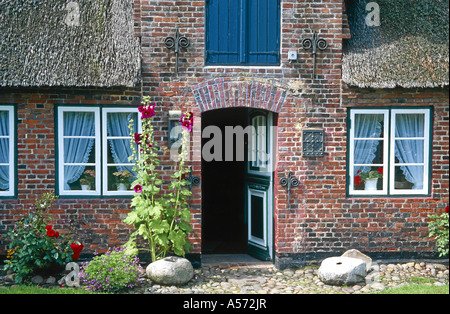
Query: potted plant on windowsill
{"type": "Point", "coordinates": [370, 178]}
{"type": "Point", "coordinates": [87, 180]}
{"type": "Point", "coordinates": [123, 178]}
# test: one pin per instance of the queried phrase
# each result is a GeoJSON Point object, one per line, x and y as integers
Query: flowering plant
{"type": "Point", "coordinates": [113, 271]}
{"type": "Point", "coordinates": [88, 178]}
{"type": "Point", "coordinates": [35, 246]}
{"type": "Point", "coordinates": [369, 175]}
{"type": "Point", "coordinates": [438, 228]}
{"type": "Point", "coordinates": [162, 219]}
{"type": "Point", "coordinates": [123, 176]}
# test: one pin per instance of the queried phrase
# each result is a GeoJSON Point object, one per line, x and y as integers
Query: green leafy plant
{"type": "Point", "coordinates": [438, 229]}
{"type": "Point", "coordinates": [35, 246]}
{"type": "Point", "coordinates": [161, 217]}
{"type": "Point", "coordinates": [116, 270]}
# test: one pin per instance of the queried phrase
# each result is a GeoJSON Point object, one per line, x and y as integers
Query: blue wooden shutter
{"type": "Point", "coordinates": [243, 32]}
{"type": "Point", "coordinates": [263, 33]}
{"type": "Point", "coordinates": [222, 31]}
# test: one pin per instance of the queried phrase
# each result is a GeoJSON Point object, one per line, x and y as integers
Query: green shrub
{"type": "Point", "coordinates": [114, 271]}
{"type": "Point", "coordinates": [438, 228]}
{"type": "Point", "coordinates": [35, 246]}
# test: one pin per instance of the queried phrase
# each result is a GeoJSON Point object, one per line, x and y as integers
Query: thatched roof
{"type": "Point", "coordinates": [409, 49]}
{"type": "Point", "coordinates": [68, 43]}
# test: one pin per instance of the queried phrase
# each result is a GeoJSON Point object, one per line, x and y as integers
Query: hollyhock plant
{"type": "Point", "coordinates": [160, 216]}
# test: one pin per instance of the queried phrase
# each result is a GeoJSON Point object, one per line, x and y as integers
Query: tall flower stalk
{"type": "Point", "coordinates": [160, 215]}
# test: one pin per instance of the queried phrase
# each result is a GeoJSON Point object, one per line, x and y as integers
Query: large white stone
{"type": "Point", "coordinates": [171, 270]}
{"type": "Point", "coordinates": [342, 271]}
{"type": "Point", "coordinates": [357, 254]}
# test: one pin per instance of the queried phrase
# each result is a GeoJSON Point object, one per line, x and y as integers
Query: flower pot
{"type": "Point", "coordinates": [371, 185]}
{"type": "Point", "coordinates": [122, 187]}
{"type": "Point", "coordinates": [85, 187]}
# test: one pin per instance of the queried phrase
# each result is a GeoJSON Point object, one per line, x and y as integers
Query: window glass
{"type": "Point", "coordinates": [6, 151]}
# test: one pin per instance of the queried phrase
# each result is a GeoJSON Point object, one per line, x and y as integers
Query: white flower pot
{"type": "Point", "coordinates": [85, 187]}
{"type": "Point", "coordinates": [121, 187]}
{"type": "Point", "coordinates": [371, 185]}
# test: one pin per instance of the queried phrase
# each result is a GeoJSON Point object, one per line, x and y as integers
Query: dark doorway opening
{"type": "Point", "coordinates": [224, 229]}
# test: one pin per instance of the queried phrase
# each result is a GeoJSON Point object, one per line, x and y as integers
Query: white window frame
{"type": "Point", "coordinates": [389, 152]}
{"type": "Point", "coordinates": [61, 163]}
{"type": "Point", "coordinates": [426, 152]}
{"type": "Point", "coordinates": [101, 150]}
{"type": "Point", "coordinates": [385, 141]}
{"type": "Point", "coordinates": [105, 138]}
{"type": "Point", "coordinates": [12, 139]}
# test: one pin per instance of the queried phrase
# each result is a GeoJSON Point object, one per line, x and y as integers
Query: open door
{"type": "Point", "coordinates": [259, 186]}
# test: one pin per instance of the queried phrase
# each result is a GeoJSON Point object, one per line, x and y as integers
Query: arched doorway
{"type": "Point", "coordinates": [237, 182]}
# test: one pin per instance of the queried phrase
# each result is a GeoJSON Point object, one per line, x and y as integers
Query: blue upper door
{"type": "Point", "coordinates": [243, 32]}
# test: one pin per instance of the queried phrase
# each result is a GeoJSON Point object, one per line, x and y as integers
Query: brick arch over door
{"type": "Point", "coordinates": [223, 93]}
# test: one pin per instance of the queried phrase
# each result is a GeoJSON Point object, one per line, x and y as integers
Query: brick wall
{"type": "Point", "coordinates": [320, 219]}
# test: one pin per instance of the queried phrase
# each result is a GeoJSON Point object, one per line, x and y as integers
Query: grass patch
{"type": "Point", "coordinates": [417, 289]}
{"type": "Point", "coordinates": [24, 289]}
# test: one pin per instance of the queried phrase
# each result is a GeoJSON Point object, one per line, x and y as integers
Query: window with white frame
{"type": "Point", "coordinates": [94, 145]}
{"type": "Point", "coordinates": [389, 152]}
{"type": "Point", "coordinates": [7, 151]}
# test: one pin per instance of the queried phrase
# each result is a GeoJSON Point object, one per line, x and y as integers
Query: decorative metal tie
{"type": "Point", "coordinates": [289, 182]}
{"type": "Point", "coordinates": [193, 180]}
{"type": "Point", "coordinates": [314, 43]}
{"type": "Point", "coordinates": [177, 42]}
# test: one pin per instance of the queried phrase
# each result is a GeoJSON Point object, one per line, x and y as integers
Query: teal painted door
{"type": "Point", "coordinates": [259, 186]}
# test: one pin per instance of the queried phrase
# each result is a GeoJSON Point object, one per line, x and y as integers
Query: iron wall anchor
{"type": "Point", "coordinates": [314, 43]}
{"type": "Point", "coordinates": [289, 182]}
{"type": "Point", "coordinates": [177, 43]}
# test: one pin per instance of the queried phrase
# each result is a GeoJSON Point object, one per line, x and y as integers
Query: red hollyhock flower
{"type": "Point", "coordinates": [48, 227]}
{"type": "Point", "coordinates": [357, 180]}
{"type": "Point", "coordinates": [51, 232]}
{"type": "Point", "coordinates": [137, 138]}
{"type": "Point", "coordinates": [138, 188]}
{"type": "Point", "coordinates": [56, 234]}
{"type": "Point", "coordinates": [147, 111]}
{"type": "Point", "coordinates": [446, 209]}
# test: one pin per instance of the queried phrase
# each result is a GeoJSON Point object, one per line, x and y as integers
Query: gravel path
{"type": "Point", "coordinates": [265, 279]}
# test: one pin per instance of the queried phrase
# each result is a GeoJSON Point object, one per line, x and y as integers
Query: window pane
{"type": "Point", "coordinates": [368, 152]}
{"type": "Point", "coordinates": [409, 177]}
{"type": "Point", "coordinates": [4, 178]}
{"type": "Point", "coordinates": [368, 178]}
{"type": "Point", "coordinates": [369, 125]}
{"type": "Point", "coordinates": [79, 124]}
{"type": "Point", "coordinates": [79, 150]}
{"type": "Point", "coordinates": [4, 123]}
{"type": "Point", "coordinates": [409, 151]}
{"type": "Point", "coordinates": [118, 123]}
{"type": "Point", "coordinates": [78, 178]}
{"type": "Point", "coordinates": [409, 125]}
{"type": "Point", "coordinates": [4, 150]}
{"type": "Point", "coordinates": [120, 178]}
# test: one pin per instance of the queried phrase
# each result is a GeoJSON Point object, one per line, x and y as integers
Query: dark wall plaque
{"type": "Point", "coordinates": [312, 143]}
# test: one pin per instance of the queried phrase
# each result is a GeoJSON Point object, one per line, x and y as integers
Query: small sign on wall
{"type": "Point", "coordinates": [313, 143]}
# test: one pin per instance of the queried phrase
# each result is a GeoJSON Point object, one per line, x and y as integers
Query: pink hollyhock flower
{"type": "Point", "coordinates": [137, 138]}
{"type": "Point", "coordinates": [147, 111]}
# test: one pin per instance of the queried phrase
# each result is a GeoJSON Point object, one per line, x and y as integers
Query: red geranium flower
{"type": "Point", "coordinates": [357, 180]}
{"type": "Point", "coordinates": [380, 170]}
{"type": "Point", "coordinates": [76, 248]}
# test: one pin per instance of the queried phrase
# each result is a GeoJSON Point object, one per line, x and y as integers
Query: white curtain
{"type": "Point", "coordinates": [4, 150]}
{"type": "Point", "coordinates": [366, 126]}
{"type": "Point", "coordinates": [410, 151]}
{"type": "Point", "coordinates": [77, 150]}
{"type": "Point", "coordinates": [117, 125]}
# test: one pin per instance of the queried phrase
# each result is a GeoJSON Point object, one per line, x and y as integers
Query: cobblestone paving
{"type": "Point", "coordinates": [268, 280]}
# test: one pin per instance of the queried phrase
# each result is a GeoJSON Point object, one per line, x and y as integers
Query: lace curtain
{"type": "Point", "coordinates": [4, 150]}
